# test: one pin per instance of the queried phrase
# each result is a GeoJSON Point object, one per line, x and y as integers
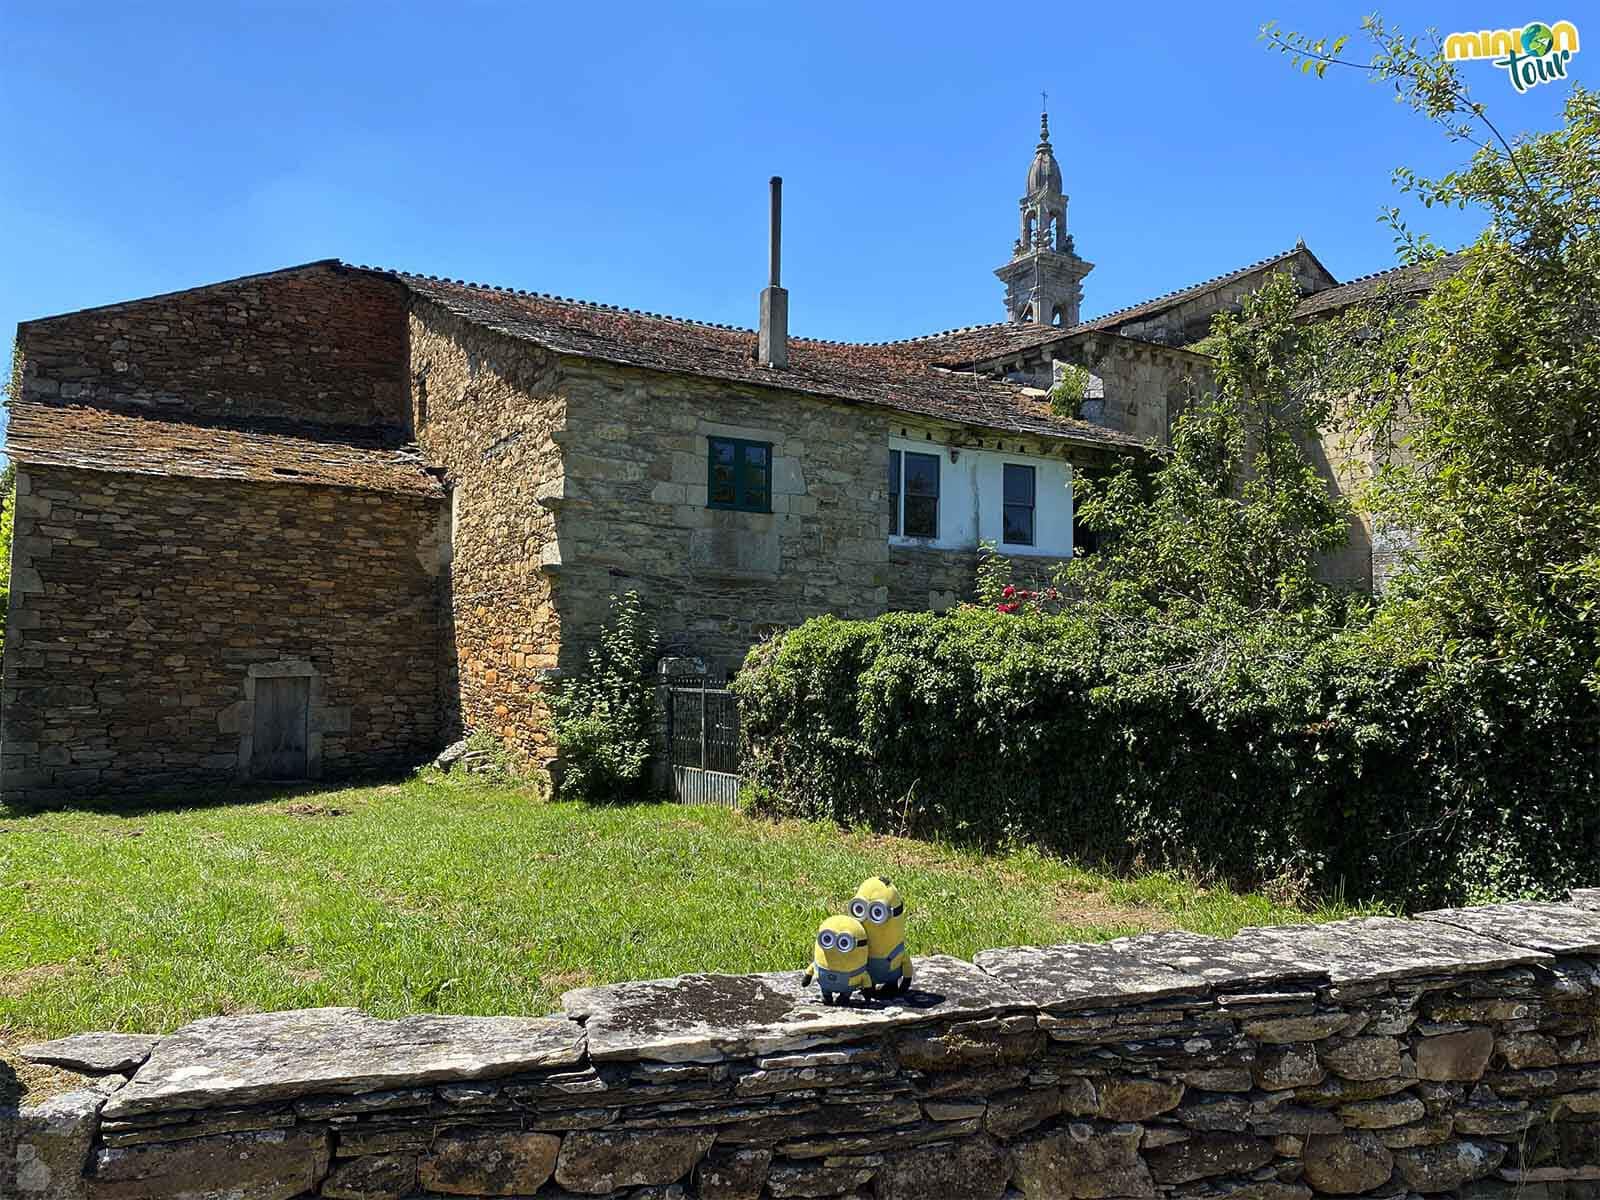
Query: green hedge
{"type": "Point", "coordinates": [1273, 757]}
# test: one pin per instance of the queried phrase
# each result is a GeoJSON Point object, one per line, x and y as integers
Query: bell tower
{"type": "Point", "coordinates": [1044, 279]}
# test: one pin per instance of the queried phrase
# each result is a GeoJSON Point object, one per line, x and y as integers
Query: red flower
{"type": "Point", "coordinates": [1008, 591]}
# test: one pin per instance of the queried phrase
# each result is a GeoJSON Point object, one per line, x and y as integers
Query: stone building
{"type": "Point", "coordinates": [321, 519]}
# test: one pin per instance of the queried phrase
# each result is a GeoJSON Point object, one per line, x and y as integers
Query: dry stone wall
{"type": "Point", "coordinates": [141, 605]}
{"type": "Point", "coordinates": [1457, 1054]}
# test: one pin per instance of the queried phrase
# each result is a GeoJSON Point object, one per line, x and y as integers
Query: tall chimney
{"type": "Point", "coordinates": [773, 350]}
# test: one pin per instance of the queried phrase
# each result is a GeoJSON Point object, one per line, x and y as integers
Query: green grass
{"type": "Point", "coordinates": [438, 895]}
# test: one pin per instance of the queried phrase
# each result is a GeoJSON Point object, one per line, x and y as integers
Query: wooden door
{"type": "Point", "coordinates": [278, 749]}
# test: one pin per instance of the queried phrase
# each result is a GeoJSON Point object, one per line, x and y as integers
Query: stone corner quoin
{"type": "Point", "coordinates": [1457, 1053]}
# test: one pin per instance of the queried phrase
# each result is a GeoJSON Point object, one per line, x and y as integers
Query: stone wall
{"type": "Point", "coordinates": [634, 513]}
{"type": "Point", "coordinates": [922, 580]}
{"type": "Point", "coordinates": [319, 343]}
{"type": "Point", "coordinates": [490, 411]}
{"type": "Point", "coordinates": [1457, 1054]}
{"type": "Point", "coordinates": [142, 606]}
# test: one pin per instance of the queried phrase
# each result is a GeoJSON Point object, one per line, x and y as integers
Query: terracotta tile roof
{"type": "Point", "coordinates": [901, 376]}
{"type": "Point", "coordinates": [147, 443]}
{"type": "Point", "coordinates": [1396, 281]}
{"type": "Point", "coordinates": [982, 343]}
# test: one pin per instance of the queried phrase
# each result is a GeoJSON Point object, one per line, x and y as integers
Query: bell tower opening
{"type": "Point", "coordinates": [1044, 279]}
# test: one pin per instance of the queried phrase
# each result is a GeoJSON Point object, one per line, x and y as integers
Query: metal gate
{"type": "Point", "coordinates": [703, 736]}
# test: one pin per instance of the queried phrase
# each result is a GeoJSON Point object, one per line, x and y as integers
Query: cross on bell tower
{"type": "Point", "coordinates": [1044, 279]}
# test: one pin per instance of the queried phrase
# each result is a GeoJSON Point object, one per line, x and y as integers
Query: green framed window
{"type": "Point", "coordinates": [739, 474]}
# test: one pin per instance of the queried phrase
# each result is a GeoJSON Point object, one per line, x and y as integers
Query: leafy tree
{"type": "Point", "coordinates": [1483, 399]}
{"type": "Point", "coordinates": [1235, 516]}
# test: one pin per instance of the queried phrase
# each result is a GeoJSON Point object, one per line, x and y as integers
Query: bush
{"type": "Point", "coordinates": [605, 718]}
{"type": "Point", "coordinates": [1280, 753]}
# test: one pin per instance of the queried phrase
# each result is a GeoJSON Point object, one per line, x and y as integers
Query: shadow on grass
{"type": "Point", "coordinates": [216, 796]}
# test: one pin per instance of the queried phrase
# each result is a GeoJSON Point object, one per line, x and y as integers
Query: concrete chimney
{"type": "Point", "coordinates": [773, 350]}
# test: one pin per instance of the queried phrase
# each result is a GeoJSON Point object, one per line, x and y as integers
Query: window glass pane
{"type": "Point", "coordinates": [922, 475]}
{"type": "Point", "coordinates": [755, 485]}
{"type": "Point", "coordinates": [894, 491]}
{"type": "Point", "coordinates": [1018, 484]}
{"type": "Point", "coordinates": [1018, 525]}
{"type": "Point", "coordinates": [739, 475]}
{"type": "Point", "coordinates": [722, 488]}
{"type": "Point", "coordinates": [922, 513]}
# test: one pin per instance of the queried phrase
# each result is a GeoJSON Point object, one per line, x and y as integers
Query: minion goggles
{"type": "Point", "coordinates": [877, 912]}
{"type": "Point", "coordinates": [829, 940]}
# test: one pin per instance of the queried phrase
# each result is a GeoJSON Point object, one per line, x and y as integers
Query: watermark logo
{"type": "Point", "coordinates": [1535, 54]}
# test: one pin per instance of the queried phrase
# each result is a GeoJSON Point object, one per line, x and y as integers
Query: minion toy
{"type": "Point", "coordinates": [839, 959]}
{"type": "Point", "coordinates": [879, 906]}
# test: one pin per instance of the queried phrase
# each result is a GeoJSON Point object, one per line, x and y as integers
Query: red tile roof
{"type": "Point", "coordinates": [901, 376]}
{"type": "Point", "coordinates": [147, 443]}
{"type": "Point", "coordinates": [983, 343]}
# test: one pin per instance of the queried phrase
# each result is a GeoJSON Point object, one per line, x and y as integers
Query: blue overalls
{"type": "Point", "coordinates": [834, 983]}
{"type": "Point", "coordinates": [880, 970]}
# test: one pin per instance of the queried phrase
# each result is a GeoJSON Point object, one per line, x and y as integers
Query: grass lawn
{"type": "Point", "coordinates": [452, 896]}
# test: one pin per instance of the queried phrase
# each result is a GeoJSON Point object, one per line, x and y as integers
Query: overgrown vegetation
{"type": "Point", "coordinates": [1204, 701]}
{"type": "Point", "coordinates": [604, 718]}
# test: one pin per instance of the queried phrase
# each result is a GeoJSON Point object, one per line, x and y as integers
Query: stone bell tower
{"type": "Point", "coordinates": [1044, 279]}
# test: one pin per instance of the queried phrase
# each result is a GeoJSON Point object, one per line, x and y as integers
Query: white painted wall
{"type": "Point", "coordinates": [971, 499]}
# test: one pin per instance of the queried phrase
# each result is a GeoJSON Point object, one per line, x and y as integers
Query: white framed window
{"type": "Point", "coordinates": [1019, 498]}
{"type": "Point", "coordinates": [913, 494]}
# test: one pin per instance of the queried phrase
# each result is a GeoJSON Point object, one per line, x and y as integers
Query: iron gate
{"type": "Point", "coordinates": [703, 737]}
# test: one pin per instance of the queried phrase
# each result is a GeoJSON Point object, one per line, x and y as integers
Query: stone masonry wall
{"type": "Point", "coordinates": [318, 344]}
{"type": "Point", "coordinates": [922, 580]}
{"type": "Point", "coordinates": [490, 411]}
{"type": "Point", "coordinates": [141, 605]}
{"type": "Point", "coordinates": [634, 511]}
{"type": "Point", "coordinates": [1457, 1055]}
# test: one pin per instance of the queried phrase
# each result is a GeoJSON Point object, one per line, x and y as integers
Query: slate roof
{"type": "Point", "coordinates": [901, 376]}
{"type": "Point", "coordinates": [1397, 282]}
{"type": "Point", "coordinates": [146, 443]}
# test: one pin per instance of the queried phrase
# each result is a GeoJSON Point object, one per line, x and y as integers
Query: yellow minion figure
{"type": "Point", "coordinates": [839, 959]}
{"type": "Point", "coordinates": [879, 907]}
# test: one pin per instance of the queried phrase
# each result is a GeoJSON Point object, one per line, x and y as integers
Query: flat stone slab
{"type": "Point", "coordinates": [1226, 964]}
{"type": "Point", "coordinates": [234, 1061]}
{"type": "Point", "coordinates": [1089, 975]}
{"type": "Point", "coordinates": [1553, 928]}
{"type": "Point", "coordinates": [1373, 949]}
{"type": "Point", "coordinates": [702, 1018]}
{"type": "Point", "coordinates": [94, 1053]}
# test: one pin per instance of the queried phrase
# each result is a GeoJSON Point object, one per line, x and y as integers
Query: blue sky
{"type": "Point", "coordinates": [620, 153]}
